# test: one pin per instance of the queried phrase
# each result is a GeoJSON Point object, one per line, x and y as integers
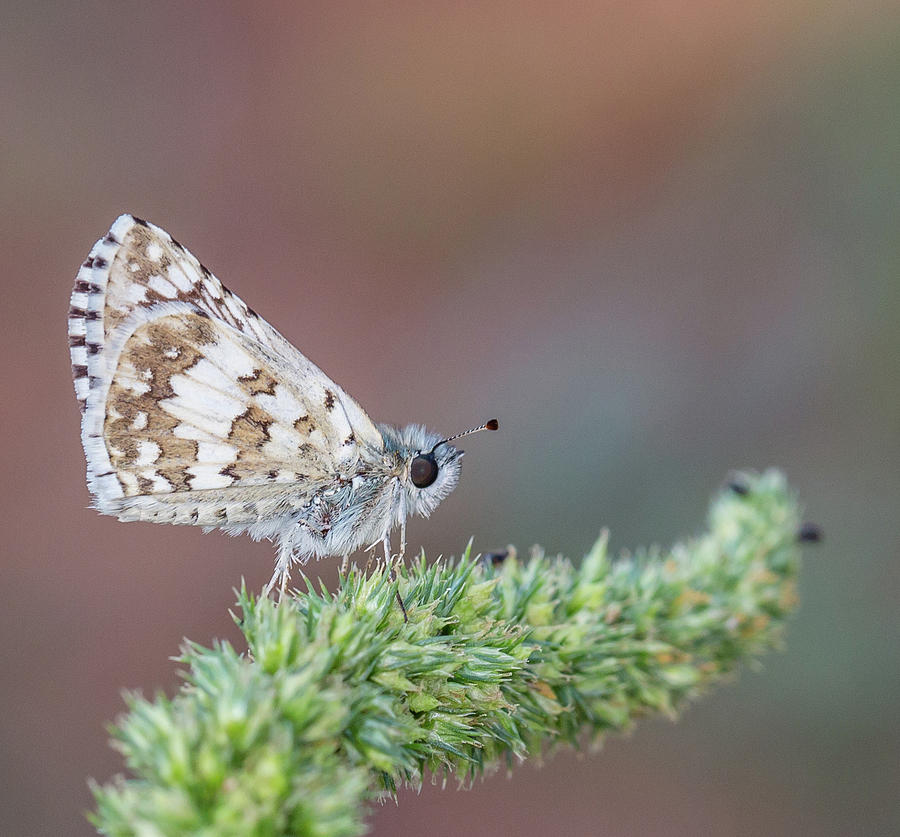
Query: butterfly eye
{"type": "Point", "coordinates": [423, 471]}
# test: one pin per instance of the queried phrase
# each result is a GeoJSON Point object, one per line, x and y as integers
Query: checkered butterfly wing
{"type": "Point", "coordinates": [196, 410]}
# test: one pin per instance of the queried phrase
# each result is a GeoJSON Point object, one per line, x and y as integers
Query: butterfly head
{"type": "Point", "coordinates": [430, 463]}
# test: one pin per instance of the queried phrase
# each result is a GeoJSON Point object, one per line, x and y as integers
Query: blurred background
{"type": "Point", "coordinates": [657, 239]}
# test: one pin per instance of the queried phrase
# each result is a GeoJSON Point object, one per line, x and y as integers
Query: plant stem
{"type": "Point", "coordinates": [337, 700]}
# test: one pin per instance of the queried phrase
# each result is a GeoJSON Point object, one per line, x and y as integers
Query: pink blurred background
{"type": "Point", "coordinates": [658, 240]}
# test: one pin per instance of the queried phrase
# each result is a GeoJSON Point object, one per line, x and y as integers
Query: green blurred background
{"type": "Point", "coordinates": [657, 239]}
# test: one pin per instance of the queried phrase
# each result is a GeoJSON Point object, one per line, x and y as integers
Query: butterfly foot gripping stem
{"type": "Point", "coordinates": [399, 597]}
{"type": "Point", "coordinates": [282, 578]}
{"type": "Point", "coordinates": [389, 563]}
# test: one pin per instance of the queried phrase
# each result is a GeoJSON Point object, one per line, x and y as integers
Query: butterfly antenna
{"type": "Point", "coordinates": [493, 424]}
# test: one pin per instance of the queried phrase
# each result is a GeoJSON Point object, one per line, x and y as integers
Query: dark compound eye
{"type": "Point", "coordinates": [424, 470]}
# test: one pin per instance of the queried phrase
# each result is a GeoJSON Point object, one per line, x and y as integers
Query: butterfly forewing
{"type": "Point", "coordinates": [196, 410]}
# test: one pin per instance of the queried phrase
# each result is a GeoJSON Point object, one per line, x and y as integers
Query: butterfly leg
{"type": "Point", "coordinates": [282, 572]}
{"type": "Point", "coordinates": [266, 591]}
{"type": "Point", "coordinates": [389, 563]}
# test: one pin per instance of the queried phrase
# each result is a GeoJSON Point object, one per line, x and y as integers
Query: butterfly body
{"type": "Point", "coordinates": [196, 411]}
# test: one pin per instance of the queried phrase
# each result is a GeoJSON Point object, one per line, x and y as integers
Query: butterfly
{"type": "Point", "coordinates": [196, 411]}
